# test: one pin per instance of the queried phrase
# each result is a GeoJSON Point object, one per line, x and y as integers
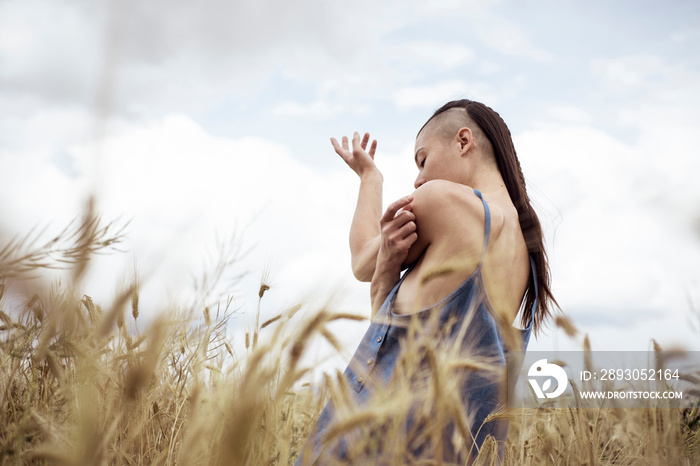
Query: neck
{"type": "Point", "coordinates": [489, 180]}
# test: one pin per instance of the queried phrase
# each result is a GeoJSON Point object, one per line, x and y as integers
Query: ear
{"type": "Point", "coordinates": [465, 137]}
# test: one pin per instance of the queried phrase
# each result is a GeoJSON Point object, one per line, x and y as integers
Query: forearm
{"type": "Point", "coordinates": [365, 230]}
{"type": "Point", "coordinates": [384, 278]}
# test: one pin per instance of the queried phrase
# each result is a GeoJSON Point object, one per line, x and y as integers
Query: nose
{"type": "Point", "coordinates": [419, 181]}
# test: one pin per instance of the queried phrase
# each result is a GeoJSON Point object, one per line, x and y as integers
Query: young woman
{"type": "Point", "coordinates": [474, 250]}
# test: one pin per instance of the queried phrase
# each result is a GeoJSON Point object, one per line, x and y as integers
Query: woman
{"type": "Point", "coordinates": [475, 254]}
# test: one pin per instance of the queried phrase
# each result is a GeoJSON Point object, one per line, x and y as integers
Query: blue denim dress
{"type": "Point", "coordinates": [375, 359]}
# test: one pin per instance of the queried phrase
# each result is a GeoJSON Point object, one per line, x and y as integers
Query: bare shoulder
{"type": "Point", "coordinates": [450, 215]}
{"type": "Point", "coordinates": [441, 201]}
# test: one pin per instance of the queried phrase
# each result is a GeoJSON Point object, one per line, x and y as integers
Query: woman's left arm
{"type": "Point", "coordinates": [398, 233]}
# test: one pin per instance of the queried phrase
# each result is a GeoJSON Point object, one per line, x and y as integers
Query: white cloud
{"type": "Point", "coordinates": [318, 108]}
{"type": "Point", "coordinates": [427, 55]}
{"type": "Point", "coordinates": [626, 208]}
{"type": "Point", "coordinates": [686, 36]}
{"type": "Point", "coordinates": [609, 220]}
{"type": "Point", "coordinates": [147, 64]}
{"type": "Point", "coordinates": [507, 37]}
{"type": "Point", "coordinates": [180, 186]}
{"type": "Point", "coordinates": [50, 50]}
{"type": "Point", "coordinates": [433, 96]}
{"type": "Point", "coordinates": [629, 73]}
{"type": "Point", "coordinates": [570, 114]}
{"type": "Point", "coordinates": [180, 61]}
{"type": "Point", "coordinates": [430, 96]}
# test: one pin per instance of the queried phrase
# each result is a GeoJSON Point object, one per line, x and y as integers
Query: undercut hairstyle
{"type": "Point", "coordinates": [446, 125]}
{"type": "Point", "coordinates": [492, 127]}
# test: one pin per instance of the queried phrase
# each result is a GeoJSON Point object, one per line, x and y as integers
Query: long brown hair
{"type": "Point", "coordinates": [498, 134]}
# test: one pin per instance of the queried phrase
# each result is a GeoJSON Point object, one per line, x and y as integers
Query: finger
{"type": "Point", "coordinates": [335, 144]}
{"type": "Point", "coordinates": [403, 245]}
{"type": "Point", "coordinates": [365, 140]}
{"type": "Point", "coordinates": [403, 217]}
{"type": "Point", "coordinates": [412, 238]}
{"type": "Point", "coordinates": [345, 143]}
{"type": "Point", "coordinates": [407, 241]}
{"type": "Point", "coordinates": [398, 228]}
{"type": "Point", "coordinates": [343, 153]}
{"type": "Point", "coordinates": [398, 231]}
{"type": "Point", "coordinates": [372, 148]}
{"type": "Point", "coordinates": [394, 208]}
{"type": "Point", "coordinates": [406, 230]}
{"type": "Point", "coordinates": [355, 141]}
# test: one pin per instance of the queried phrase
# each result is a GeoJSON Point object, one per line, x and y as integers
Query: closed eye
{"type": "Point", "coordinates": [415, 158]}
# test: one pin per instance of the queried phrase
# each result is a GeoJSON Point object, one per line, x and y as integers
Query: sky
{"type": "Point", "coordinates": [203, 121]}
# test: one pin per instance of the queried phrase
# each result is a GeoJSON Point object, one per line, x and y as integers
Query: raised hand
{"type": "Point", "coordinates": [359, 159]}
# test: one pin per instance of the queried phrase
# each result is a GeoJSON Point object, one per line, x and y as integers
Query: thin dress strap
{"type": "Point", "coordinates": [487, 225]}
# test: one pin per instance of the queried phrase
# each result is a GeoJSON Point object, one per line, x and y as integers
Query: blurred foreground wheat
{"type": "Point", "coordinates": [81, 385]}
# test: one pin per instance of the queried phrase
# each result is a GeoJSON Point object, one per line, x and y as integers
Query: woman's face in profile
{"type": "Point", "coordinates": [435, 158]}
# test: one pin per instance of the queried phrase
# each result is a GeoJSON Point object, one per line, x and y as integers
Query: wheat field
{"type": "Point", "coordinates": [85, 383]}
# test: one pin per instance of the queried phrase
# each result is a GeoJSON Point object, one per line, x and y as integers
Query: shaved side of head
{"type": "Point", "coordinates": [448, 123]}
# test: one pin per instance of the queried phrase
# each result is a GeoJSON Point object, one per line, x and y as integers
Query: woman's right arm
{"type": "Point", "coordinates": [365, 229]}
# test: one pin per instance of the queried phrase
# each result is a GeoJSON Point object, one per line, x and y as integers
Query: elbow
{"type": "Point", "coordinates": [364, 259]}
{"type": "Point", "coordinates": [363, 272]}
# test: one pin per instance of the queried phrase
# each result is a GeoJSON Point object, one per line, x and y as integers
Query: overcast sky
{"type": "Point", "coordinates": [202, 119]}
